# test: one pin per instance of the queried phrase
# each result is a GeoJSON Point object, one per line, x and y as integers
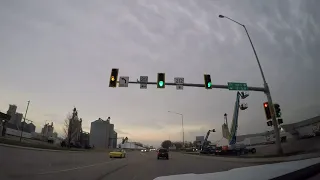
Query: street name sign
{"type": "Point", "coordinates": [123, 81]}
{"type": "Point", "coordinates": [237, 86]}
{"type": "Point", "coordinates": [179, 83]}
{"type": "Point", "coordinates": [143, 82]}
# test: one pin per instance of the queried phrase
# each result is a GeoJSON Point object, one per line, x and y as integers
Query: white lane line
{"type": "Point", "coordinates": [77, 168]}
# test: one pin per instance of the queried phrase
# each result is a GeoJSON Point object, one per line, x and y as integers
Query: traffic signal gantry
{"type": "Point", "coordinates": [179, 83]}
{"type": "Point", "coordinates": [277, 111]}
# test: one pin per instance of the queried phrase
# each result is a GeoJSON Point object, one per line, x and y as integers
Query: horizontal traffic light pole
{"type": "Point", "coordinates": [214, 86]}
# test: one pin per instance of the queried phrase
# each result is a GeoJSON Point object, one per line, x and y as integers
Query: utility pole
{"type": "Point", "coordinates": [24, 120]}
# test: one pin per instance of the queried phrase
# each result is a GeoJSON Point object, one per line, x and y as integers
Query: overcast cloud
{"type": "Point", "coordinates": [59, 54]}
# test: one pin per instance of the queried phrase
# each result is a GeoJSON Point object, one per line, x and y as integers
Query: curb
{"type": "Point", "coordinates": [40, 149]}
{"type": "Point", "coordinates": [263, 160]}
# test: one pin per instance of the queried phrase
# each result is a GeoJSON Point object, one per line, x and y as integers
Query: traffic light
{"type": "Point", "coordinates": [280, 121]}
{"type": "Point", "coordinates": [267, 110]}
{"type": "Point", "coordinates": [113, 78]}
{"type": "Point", "coordinates": [161, 82]}
{"type": "Point", "coordinates": [278, 110]}
{"type": "Point", "coordinates": [207, 81]}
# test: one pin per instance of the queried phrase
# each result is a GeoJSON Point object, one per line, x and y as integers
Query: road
{"type": "Point", "coordinates": [16, 164]}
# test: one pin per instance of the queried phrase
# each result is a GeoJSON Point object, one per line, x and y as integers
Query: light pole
{"type": "Point", "coordinates": [24, 120]}
{"type": "Point", "coordinates": [181, 124]}
{"type": "Point", "coordinates": [266, 87]}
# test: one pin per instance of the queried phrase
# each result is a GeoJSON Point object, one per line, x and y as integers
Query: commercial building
{"type": "Point", "coordinates": [85, 139]}
{"type": "Point", "coordinates": [131, 145]}
{"type": "Point", "coordinates": [102, 134]}
{"type": "Point", "coordinates": [304, 129]}
{"type": "Point", "coordinates": [74, 129]}
{"type": "Point", "coordinates": [16, 118]}
{"type": "Point", "coordinates": [47, 130]}
{"type": "Point", "coordinates": [114, 143]}
{"type": "Point", "coordinates": [12, 110]}
{"type": "Point", "coordinates": [28, 127]}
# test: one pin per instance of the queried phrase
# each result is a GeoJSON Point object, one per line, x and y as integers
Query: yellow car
{"type": "Point", "coordinates": [120, 153]}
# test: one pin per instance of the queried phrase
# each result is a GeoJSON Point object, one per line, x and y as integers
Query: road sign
{"type": "Point", "coordinates": [237, 86]}
{"type": "Point", "coordinates": [123, 81]}
{"type": "Point", "coordinates": [179, 82]}
{"type": "Point", "coordinates": [143, 82]}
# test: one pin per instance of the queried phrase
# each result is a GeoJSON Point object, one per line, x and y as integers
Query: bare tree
{"type": "Point", "coordinates": [66, 126]}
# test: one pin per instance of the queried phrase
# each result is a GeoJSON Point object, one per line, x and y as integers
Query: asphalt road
{"type": "Point", "coordinates": [25, 164]}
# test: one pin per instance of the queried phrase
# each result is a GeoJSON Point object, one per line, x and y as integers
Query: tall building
{"type": "Point", "coordinates": [28, 127]}
{"type": "Point", "coordinates": [47, 130]}
{"type": "Point", "coordinates": [74, 129]}
{"type": "Point", "coordinates": [17, 119]}
{"type": "Point", "coordinates": [102, 134]}
{"type": "Point", "coordinates": [115, 137]}
{"type": "Point", "coordinates": [12, 109]}
{"type": "Point", "coordinates": [85, 139]}
{"type": "Point", "coordinates": [12, 112]}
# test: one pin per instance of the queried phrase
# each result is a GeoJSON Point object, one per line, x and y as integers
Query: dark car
{"type": "Point", "coordinates": [163, 153]}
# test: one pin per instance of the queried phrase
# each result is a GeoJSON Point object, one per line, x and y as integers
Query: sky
{"type": "Point", "coordinates": [59, 55]}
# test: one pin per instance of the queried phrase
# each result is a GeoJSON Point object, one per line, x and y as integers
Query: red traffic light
{"type": "Point", "coordinates": [267, 110]}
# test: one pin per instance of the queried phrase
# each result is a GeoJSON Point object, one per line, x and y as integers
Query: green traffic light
{"type": "Point", "coordinates": [209, 84]}
{"type": "Point", "coordinates": [160, 83]}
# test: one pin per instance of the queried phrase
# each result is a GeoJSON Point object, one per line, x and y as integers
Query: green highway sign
{"type": "Point", "coordinates": [237, 86]}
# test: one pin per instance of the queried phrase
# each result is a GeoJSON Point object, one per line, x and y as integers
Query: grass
{"type": "Point", "coordinates": [33, 145]}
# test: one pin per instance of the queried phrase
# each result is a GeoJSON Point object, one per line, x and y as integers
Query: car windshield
{"type": "Point", "coordinates": [137, 89]}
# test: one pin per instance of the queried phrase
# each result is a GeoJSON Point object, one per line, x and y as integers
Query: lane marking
{"type": "Point", "coordinates": [80, 167]}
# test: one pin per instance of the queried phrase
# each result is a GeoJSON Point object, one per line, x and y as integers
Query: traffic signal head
{"type": "Point", "coordinates": [267, 110]}
{"type": "Point", "coordinates": [113, 78]}
{"type": "Point", "coordinates": [207, 81]}
{"type": "Point", "coordinates": [278, 110]}
{"type": "Point", "coordinates": [161, 83]}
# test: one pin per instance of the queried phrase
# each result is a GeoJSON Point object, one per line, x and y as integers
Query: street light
{"type": "Point", "coordinates": [181, 124]}
{"type": "Point", "coordinates": [266, 88]}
